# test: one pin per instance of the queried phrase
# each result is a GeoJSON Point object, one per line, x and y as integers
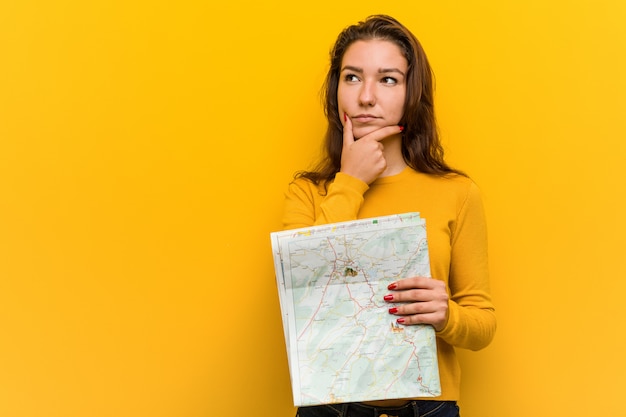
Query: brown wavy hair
{"type": "Point", "coordinates": [421, 147]}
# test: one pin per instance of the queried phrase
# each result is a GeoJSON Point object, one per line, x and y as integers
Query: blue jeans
{"type": "Point", "coordinates": [412, 409]}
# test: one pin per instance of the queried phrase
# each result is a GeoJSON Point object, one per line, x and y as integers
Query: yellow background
{"type": "Point", "coordinates": [145, 147]}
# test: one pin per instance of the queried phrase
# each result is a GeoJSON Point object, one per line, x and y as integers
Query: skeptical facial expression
{"type": "Point", "coordinates": [372, 85]}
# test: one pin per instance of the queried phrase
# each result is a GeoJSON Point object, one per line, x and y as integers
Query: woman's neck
{"type": "Point", "coordinates": [393, 155]}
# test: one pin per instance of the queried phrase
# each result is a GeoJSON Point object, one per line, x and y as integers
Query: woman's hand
{"type": "Point", "coordinates": [364, 158]}
{"type": "Point", "coordinates": [419, 300]}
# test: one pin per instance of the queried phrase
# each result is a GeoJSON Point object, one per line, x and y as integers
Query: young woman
{"type": "Point", "coordinates": [383, 157]}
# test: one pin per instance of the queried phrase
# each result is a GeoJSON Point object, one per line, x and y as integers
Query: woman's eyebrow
{"type": "Point", "coordinates": [380, 71]}
{"type": "Point", "coordinates": [386, 70]}
{"type": "Point", "coordinates": [351, 68]}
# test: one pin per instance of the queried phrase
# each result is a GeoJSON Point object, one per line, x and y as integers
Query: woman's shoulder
{"type": "Point", "coordinates": [455, 188]}
{"type": "Point", "coordinates": [305, 186]}
{"type": "Point", "coordinates": [340, 181]}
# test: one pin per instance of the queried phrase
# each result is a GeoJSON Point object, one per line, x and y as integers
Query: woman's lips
{"type": "Point", "coordinates": [364, 118]}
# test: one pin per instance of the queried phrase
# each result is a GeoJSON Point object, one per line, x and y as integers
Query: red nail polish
{"type": "Point", "coordinates": [400, 320]}
{"type": "Point", "coordinates": [392, 286]}
{"type": "Point", "coordinates": [388, 297]}
{"type": "Point", "coordinates": [393, 310]}
{"type": "Point", "coordinates": [401, 128]}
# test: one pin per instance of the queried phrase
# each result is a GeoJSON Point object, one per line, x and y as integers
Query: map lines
{"type": "Point", "coordinates": [342, 345]}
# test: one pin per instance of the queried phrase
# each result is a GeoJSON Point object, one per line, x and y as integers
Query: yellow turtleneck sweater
{"type": "Point", "coordinates": [457, 244]}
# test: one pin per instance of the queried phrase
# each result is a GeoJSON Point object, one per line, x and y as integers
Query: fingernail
{"type": "Point", "coordinates": [388, 297]}
{"type": "Point", "coordinates": [400, 320]}
{"type": "Point", "coordinates": [393, 310]}
{"type": "Point", "coordinates": [392, 286]}
{"type": "Point", "coordinates": [401, 128]}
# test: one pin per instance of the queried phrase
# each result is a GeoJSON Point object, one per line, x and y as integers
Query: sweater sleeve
{"type": "Point", "coordinates": [471, 322]}
{"type": "Point", "coordinates": [341, 202]}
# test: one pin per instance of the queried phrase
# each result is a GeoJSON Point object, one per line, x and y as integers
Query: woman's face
{"type": "Point", "coordinates": [372, 85]}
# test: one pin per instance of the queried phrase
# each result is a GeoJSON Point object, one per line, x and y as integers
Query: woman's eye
{"type": "Point", "coordinates": [351, 78]}
{"type": "Point", "coordinates": [389, 80]}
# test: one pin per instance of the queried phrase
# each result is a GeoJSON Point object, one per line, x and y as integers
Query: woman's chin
{"type": "Point", "coordinates": [360, 132]}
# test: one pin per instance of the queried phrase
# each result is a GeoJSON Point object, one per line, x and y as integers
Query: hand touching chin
{"type": "Point", "coordinates": [362, 131]}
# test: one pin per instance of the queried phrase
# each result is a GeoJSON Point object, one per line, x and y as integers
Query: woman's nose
{"type": "Point", "coordinates": [367, 96]}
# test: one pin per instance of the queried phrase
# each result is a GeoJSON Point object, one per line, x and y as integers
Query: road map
{"type": "Point", "coordinates": [342, 344]}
